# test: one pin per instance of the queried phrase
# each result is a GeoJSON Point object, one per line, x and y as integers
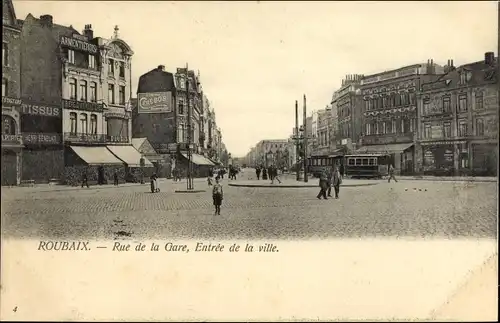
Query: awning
{"type": "Point", "coordinates": [392, 148]}
{"type": "Point", "coordinates": [96, 155]}
{"type": "Point", "coordinates": [129, 155]}
{"type": "Point", "coordinates": [199, 159]}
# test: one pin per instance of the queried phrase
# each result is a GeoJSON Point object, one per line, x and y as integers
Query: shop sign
{"type": "Point", "coordinates": [78, 44]}
{"type": "Point", "coordinates": [154, 102]}
{"type": "Point", "coordinates": [41, 138]}
{"type": "Point", "coordinates": [40, 110]}
{"type": "Point", "coordinates": [11, 101]}
{"type": "Point", "coordinates": [120, 139]}
{"type": "Point", "coordinates": [12, 139]}
{"type": "Point", "coordinates": [82, 105]}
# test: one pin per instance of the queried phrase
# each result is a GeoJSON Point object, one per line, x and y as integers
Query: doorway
{"type": "Point", "coordinates": [100, 175]}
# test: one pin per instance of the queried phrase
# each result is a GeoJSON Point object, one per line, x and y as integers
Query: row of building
{"type": "Point", "coordinates": [67, 108]}
{"type": "Point", "coordinates": [431, 119]}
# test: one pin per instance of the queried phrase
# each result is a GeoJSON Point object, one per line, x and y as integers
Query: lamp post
{"type": "Point", "coordinates": [189, 153]}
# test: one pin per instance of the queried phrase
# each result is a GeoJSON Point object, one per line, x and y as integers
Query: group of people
{"type": "Point", "coordinates": [327, 179]}
{"type": "Point", "coordinates": [272, 172]}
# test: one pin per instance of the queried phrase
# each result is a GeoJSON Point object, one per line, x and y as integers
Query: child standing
{"type": "Point", "coordinates": [217, 195]}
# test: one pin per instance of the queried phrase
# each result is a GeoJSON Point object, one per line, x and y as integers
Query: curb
{"type": "Point", "coordinates": [192, 191]}
{"type": "Point", "coordinates": [469, 180]}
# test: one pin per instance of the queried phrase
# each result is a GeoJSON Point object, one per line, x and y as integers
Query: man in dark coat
{"type": "Point", "coordinates": [257, 172]}
{"type": "Point", "coordinates": [336, 181]}
{"type": "Point", "coordinates": [342, 170]}
{"type": "Point", "coordinates": [323, 181]}
{"type": "Point", "coordinates": [85, 179]}
{"type": "Point", "coordinates": [329, 181]}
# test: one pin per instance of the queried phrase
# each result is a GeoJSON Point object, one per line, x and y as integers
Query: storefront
{"type": "Point", "coordinates": [12, 142]}
{"type": "Point", "coordinates": [484, 159]}
{"type": "Point", "coordinates": [438, 159]}
{"type": "Point", "coordinates": [138, 167]}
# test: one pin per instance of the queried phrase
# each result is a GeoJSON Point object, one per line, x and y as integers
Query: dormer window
{"type": "Point", "coordinates": [71, 56]}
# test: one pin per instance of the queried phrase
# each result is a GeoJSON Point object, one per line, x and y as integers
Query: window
{"type": "Point", "coordinates": [412, 121]}
{"type": "Point", "coordinates": [111, 67]}
{"type": "Point", "coordinates": [479, 127]}
{"type": "Point", "coordinates": [462, 128]}
{"type": "Point", "coordinates": [121, 92]}
{"type": "Point", "coordinates": [180, 133]}
{"type": "Point", "coordinates": [371, 161]}
{"type": "Point", "coordinates": [447, 129]}
{"type": "Point", "coordinates": [393, 100]}
{"type": "Point", "coordinates": [72, 118]}
{"type": "Point", "coordinates": [427, 130]}
{"type": "Point", "coordinates": [394, 126]}
{"type": "Point", "coordinates": [92, 62]}
{"type": "Point", "coordinates": [72, 89]}
{"type": "Point", "coordinates": [5, 87]}
{"type": "Point", "coordinates": [446, 104]}
{"type": "Point", "coordinates": [5, 54]}
{"type": "Point", "coordinates": [412, 98]}
{"type": "Point", "coordinates": [83, 90]}
{"type": "Point", "coordinates": [350, 161]}
{"type": "Point", "coordinates": [9, 125]}
{"type": "Point", "coordinates": [71, 56]}
{"type": "Point", "coordinates": [364, 161]}
{"type": "Point", "coordinates": [368, 129]}
{"type": "Point", "coordinates": [111, 93]}
{"type": "Point", "coordinates": [83, 123]}
{"type": "Point", "coordinates": [382, 127]}
{"type": "Point", "coordinates": [122, 69]}
{"type": "Point", "coordinates": [93, 92]}
{"type": "Point", "coordinates": [463, 77]}
{"type": "Point", "coordinates": [398, 99]}
{"type": "Point", "coordinates": [462, 102]}
{"type": "Point", "coordinates": [182, 83]}
{"type": "Point", "coordinates": [358, 161]}
{"type": "Point", "coordinates": [479, 100]}
{"type": "Point", "coordinates": [406, 99]}
{"type": "Point", "coordinates": [348, 130]}
{"type": "Point", "coordinates": [181, 106]}
{"type": "Point", "coordinates": [426, 106]}
{"type": "Point", "coordinates": [93, 124]}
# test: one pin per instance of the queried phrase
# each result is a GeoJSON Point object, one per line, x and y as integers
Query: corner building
{"type": "Point", "coordinates": [458, 120]}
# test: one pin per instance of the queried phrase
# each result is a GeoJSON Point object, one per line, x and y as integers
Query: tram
{"type": "Point", "coordinates": [320, 163]}
{"type": "Point", "coordinates": [367, 165]}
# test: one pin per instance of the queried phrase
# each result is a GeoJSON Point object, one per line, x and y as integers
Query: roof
{"type": "Point", "coordinates": [156, 81]}
{"type": "Point", "coordinates": [57, 30]}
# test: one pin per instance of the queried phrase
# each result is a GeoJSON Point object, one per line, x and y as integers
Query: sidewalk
{"type": "Point", "coordinates": [448, 179]}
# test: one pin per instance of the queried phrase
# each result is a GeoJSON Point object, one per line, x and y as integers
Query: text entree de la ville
{"type": "Point", "coordinates": [125, 246]}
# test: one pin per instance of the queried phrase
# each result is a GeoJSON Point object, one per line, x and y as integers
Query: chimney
{"type": "Point", "coordinates": [46, 20]}
{"type": "Point", "coordinates": [161, 68]}
{"type": "Point", "coordinates": [489, 58]}
{"type": "Point", "coordinates": [88, 32]}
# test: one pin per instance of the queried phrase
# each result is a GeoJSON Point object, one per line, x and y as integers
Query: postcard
{"type": "Point", "coordinates": [249, 161]}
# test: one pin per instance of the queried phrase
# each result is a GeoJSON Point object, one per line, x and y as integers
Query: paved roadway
{"type": "Point", "coordinates": [446, 209]}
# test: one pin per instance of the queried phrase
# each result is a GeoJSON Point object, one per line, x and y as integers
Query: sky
{"type": "Point", "coordinates": [256, 58]}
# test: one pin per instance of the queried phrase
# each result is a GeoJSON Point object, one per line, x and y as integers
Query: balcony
{"type": "Point", "coordinates": [84, 138]}
{"type": "Point", "coordinates": [117, 139]}
{"type": "Point", "coordinates": [82, 105]}
{"type": "Point", "coordinates": [392, 138]}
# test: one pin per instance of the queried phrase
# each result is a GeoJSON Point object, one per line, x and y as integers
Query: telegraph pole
{"type": "Point", "coordinates": [305, 141]}
{"type": "Point", "coordinates": [297, 144]}
{"type": "Point", "coordinates": [189, 153]}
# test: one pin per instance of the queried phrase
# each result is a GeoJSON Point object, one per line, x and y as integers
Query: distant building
{"type": "Point", "coordinates": [273, 152]}
{"type": "Point", "coordinates": [458, 121]}
{"type": "Point", "coordinates": [390, 112]}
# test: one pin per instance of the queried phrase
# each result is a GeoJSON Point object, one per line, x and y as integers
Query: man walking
{"type": "Point", "coordinates": [391, 174]}
{"type": "Point", "coordinates": [115, 178]}
{"type": "Point", "coordinates": [85, 179]}
{"type": "Point", "coordinates": [329, 181]}
{"type": "Point", "coordinates": [275, 175]}
{"type": "Point", "coordinates": [322, 184]}
{"type": "Point", "coordinates": [336, 181]}
{"type": "Point", "coordinates": [342, 171]}
{"type": "Point", "coordinates": [257, 172]}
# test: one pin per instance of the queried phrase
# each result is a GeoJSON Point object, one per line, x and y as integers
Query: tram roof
{"type": "Point", "coordinates": [366, 155]}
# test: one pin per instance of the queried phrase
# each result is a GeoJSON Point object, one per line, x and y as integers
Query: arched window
{"type": "Point", "coordinates": [83, 123]}
{"type": "Point", "coordinates": [8, 125]}
{"type": "Point", "coordinates": [73, 122]}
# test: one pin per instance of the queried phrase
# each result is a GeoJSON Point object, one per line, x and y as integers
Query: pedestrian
{"type": "Point", "coordinates": [257, 172]}
{"type": "Point", "coordinates": [275, 175]}
{"type": "Point", "coordinates": [115, 177]}
{"type": "Point", "coordinates": [270, 172]}
{"type": "Point", "coordinates": [323, 186]}
{"type": "Point", "coordinates": [342, 170]}
{"type": "Point", "coordinates": [210, 177]}
{"type": "Point", "coordinates": [85, 179]}
{"type": "Point", "coordinates": [329, 181]}
{"type": "Point", "coordinates": [336, 181]}
{"type": "Point", "coordinates": [391, 174]}
{"type": "Point", "coordinates": [217, 195]}
{"type": "Point", "coordinates": [264, 173]}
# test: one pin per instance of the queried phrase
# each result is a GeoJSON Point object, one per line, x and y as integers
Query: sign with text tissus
{"type": "Point", "coordinates": [154, 102]}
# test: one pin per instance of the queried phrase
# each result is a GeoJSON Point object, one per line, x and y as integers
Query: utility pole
{"type": "Point", "coordinates": [189, 153]}
{"type": "Point", "coordinates": [305, 141]}
{"type": "Point", "coordinates": [297, 144]}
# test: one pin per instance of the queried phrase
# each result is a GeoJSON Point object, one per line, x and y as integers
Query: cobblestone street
{"type": "Point", "coordinates": [403, 209]}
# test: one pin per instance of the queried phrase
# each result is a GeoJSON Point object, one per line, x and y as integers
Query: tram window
{"type": "Point", "coordinates": [365, 161]}
{"type": "Point", "coordinates": [372, 161]}
{"type": "Point", "coordinates": [358, 161]}
{"type": "Point", "coordinates": [350, 162]}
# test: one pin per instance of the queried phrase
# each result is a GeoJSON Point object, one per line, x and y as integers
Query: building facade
{"type": "Point", "coordinates": [458, 121]}
{"type": "Point", "coordinates": [12, 139]}
{"type": "Point", "coordinates": [323, 130]}
{"type": "Point", "coordinates": [390, 112]}
{"type": "Point", "coordinates": [347, 114]}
